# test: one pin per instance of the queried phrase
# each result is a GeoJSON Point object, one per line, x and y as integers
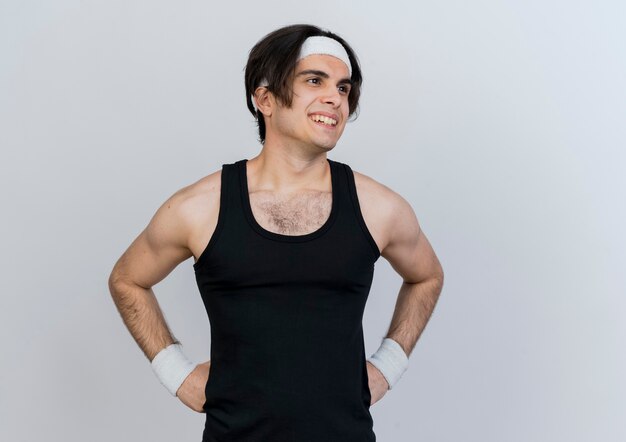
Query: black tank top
{"type": "Point", "coordinates": [287, 351]}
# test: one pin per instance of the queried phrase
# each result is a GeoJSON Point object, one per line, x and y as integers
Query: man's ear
{"type": "Point", "coordinates": [264, 101]}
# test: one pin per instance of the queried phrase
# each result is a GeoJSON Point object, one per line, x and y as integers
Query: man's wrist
{"type": "Point", "coordinates": [172, 367]}
{"type": "Point", "coordinates": [391, 360]}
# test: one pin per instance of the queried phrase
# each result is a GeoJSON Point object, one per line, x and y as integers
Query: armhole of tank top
{"type": "Point", "coordinates": [357, 211]}
{"type": "Point", "coordinates": [220, 221]}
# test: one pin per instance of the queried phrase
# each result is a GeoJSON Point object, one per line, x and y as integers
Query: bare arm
{"type": "Point", "coordinates": [412, 257]}
{"type": "Point", "coordinates": [158, 249]}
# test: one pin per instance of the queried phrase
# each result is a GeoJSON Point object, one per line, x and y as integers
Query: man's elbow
{"type": "Point", "coordinates": [436, 281]}
{"type": "Point", "coordinates": [117, 279]}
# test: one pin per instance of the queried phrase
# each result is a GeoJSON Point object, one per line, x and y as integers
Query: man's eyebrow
{"type": "Point", "coordinates": [323, 75]}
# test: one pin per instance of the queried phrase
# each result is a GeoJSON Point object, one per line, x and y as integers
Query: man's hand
{"type": "Point", "coordinates": [191, 391]}
{"type": "Point", "coordinates": [377, 383]}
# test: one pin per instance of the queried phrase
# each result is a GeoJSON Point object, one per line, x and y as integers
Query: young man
{"type": "Point", "coordinates": [284, 247]}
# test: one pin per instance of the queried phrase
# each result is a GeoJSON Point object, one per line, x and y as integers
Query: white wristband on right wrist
{"type": "Point", "coordinates": [172, 367]}
{"type": "Point", "coordinates": [391, 360]}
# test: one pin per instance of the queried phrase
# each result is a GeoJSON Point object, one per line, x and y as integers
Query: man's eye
{"type": "Point", "coordinates": [344, 89]}
{"type": "Point", "coordinates": [314, 79]}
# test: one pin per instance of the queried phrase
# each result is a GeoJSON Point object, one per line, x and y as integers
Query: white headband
{"type": "Point", "coordinates": [323, 46]}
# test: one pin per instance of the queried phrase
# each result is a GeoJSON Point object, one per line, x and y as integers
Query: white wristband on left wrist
{"type": "Point", "coordinates": [391, 360]}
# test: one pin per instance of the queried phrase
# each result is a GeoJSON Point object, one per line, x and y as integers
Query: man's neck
{"type": "Point", "coordinates": [287, 171]}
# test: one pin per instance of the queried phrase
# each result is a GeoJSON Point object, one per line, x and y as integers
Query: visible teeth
{"type": "Point", "coordinates": [323, 119]}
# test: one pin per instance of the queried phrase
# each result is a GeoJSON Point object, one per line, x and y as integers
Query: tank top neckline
{"type": "Point", "coordinates": [247, 207]}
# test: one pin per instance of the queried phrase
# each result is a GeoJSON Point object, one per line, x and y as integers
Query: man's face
{"type": "Point", "coordinates": [319, 109]}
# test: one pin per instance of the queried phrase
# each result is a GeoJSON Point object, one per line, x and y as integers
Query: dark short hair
{"type": "Point", "coordinates": [274, 59]}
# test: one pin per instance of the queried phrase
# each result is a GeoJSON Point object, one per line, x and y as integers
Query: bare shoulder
{"type": "Point", "coordinates": [170, 236]}
{"type": "Point", "coordinates": [199, 205]}
{"type": "Point", "coordinates": [404, 244]}
{"type": "Point", "coordinates": [188, 210]}
{"type": "Point", "coordinates": [384, 210]}
{"type": "Point", "coordinates": [193, 198]}
{"type": "Point", "coordinates": [371, 188]}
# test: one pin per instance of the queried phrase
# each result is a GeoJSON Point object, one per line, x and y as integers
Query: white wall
{"type": "Point", "coordinates": [501, 122]}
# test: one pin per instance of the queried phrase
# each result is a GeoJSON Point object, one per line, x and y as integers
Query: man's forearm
{"type": "Point", "coordinates": [143, 317]}
{"type": "Point", "coordinates": [414, 306]}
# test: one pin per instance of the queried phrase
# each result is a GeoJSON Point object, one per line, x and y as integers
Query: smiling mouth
{"type": "Point", "coordinates": [324, 126]}
{"type": "Point", "coordinates": [323, 120]}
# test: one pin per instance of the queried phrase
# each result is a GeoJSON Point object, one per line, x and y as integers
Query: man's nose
{"type": "Point", "coordinates": [332, 96]}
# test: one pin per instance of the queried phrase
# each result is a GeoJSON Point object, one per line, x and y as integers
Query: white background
{"type": "Point", "coordinates": [501, 122]}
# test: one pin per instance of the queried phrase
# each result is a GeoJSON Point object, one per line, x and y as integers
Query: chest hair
{"type": "Point", "coordinates": [297, 214]}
